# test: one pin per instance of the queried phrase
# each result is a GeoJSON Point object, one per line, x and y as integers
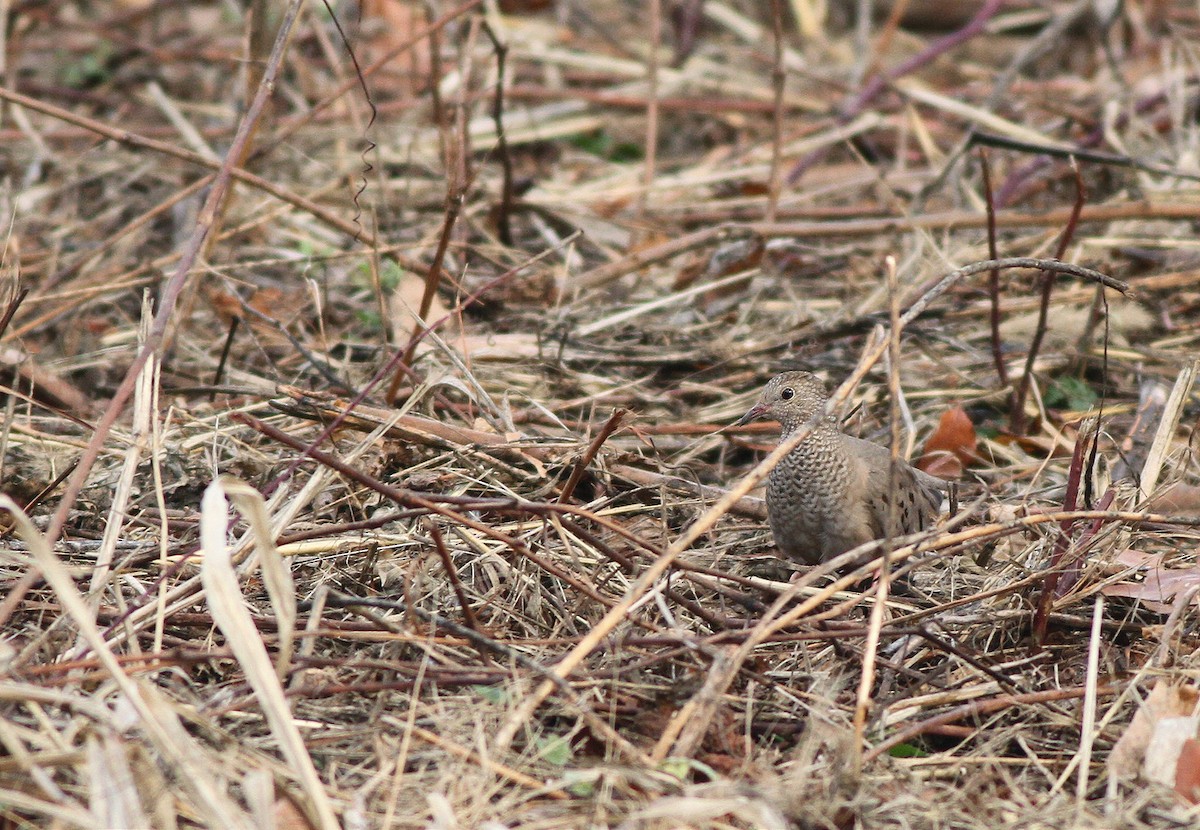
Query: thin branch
{"type": "Point", "coordinates": [610, 426]}
{"type": "Point", "coordinates": [994, 275]}
{"type": "Point", "coordinates": [778, 82]}
{"type": "Point", "coordinates": [504, 214]}
{"type": "Point", "coordinates": [1016, 418]}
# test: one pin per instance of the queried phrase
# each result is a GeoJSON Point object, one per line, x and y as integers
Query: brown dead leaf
{"type": "Point", "coordinates": [608, 208]}
{"type": "Point", "coordinates": [276, 310]}
{"type": "Point", "coordinates": [226, 305]}
{"type": "Point", "coordinates": [754, 188]}
{"type": "Point", "coordinates": [1165, 751]}
{"type": "Point", "coordinates": [1187, 771]}
{"type": "Point", "coordinates": [1157, 587]}
{"type": "Point", "coordinates": [288, 816]}
{"type": "Point", "coordinates": [96, 325]}
{"type": "Point", "coordinates": [279, 305]}
{"type": "Point", "coordinates": [524, 6]}
{"type": "Point", "coordinates": [1131, 755]}
{"type": "Point", "coordinates": [404, 305]}
{"type": "Point", "coordinates": [1036, 445]}
{"type": "Point", "coordinates": [944, 465]}
{"type": "Point", "coordinates": [951, 447]}
{"type": "Point", "coordinates": [1177, 500]}
{"type": "Point", "coordinates": [1166, 743]}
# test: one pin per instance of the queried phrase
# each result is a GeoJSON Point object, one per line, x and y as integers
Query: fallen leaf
{"type": "Point", "coordinates": [951, 447]}
{"type": "Point", "coordinates": [404, 305]}
{"type": "Point", "coordinates": [288, 816]}
{"type": "Point", "coordinates": [1132, 752]}
{"type": "Point", "coordinates": [524, 6]}
{"type": "Point", "coordinates": [1040, 443]}
{"type": "Point", "coordinates": [1187, 771]}
{"type": "Point", "coordinates": [1166, 747]}
{"type": "Point", "coordinates": [226, 305]}
{"type": "Point", "coordinates": [1159, 585]}
{"type": "Point", "coordinates": [276, 309]}
{"type": "Point", "coordinates": [1131, 558]}
{"type": "Point", "coordinates": [944, 465]}
{"type": "Point", "coordinates": [1177, 500]}
{"type": "Point", "coordinates": [759, 188]}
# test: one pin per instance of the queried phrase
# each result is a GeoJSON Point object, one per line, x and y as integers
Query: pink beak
{"type": "Point", "coordinates": [752, 414]}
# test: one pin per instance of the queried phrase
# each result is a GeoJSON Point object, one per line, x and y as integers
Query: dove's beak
{"type": "Point", "coordinates": [752, 414]}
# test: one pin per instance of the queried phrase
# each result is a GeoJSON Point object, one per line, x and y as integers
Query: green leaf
{"type": "Point", "coordinates": [907, 751]}
{"type": "Point", "coordinates": [582, 789]}
{"type": "Point", "coordinates": [581, 783]}
{"type": "Point", "coordinates": [677, 767]}
{"type": "Point", "coordinates": [601, 143]}
{"type": "Point", "coordinates": [368, 318]}
{"type": "Point", "coordinates": [91, 69]}
{"type": "Point", "coordinates": [555, 749]}
{"type": "Point", "coordinates": [390, 274]}
{"type": "Point", "coordinates": [1071, 393]}
{"type": "Point", "coordinates": [492, 694]}
{"type": "Point", "coordinates": [681, 768]}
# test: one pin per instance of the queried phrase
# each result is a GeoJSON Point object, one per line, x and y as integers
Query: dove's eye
{"type": "Point", "coordinates": [788, 393]}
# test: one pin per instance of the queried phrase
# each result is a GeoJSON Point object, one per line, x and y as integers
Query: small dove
{"type": "Point", "coordinates": [830, 493]}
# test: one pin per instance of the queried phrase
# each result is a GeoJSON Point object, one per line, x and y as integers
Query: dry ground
{"type": "Point", "coordinates": [496, 572]}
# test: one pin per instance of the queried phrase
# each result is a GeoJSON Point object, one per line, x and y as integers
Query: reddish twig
{"type": "Point", "coordinates": [433, 277]}
{"type": "Point", "coordinates": [452, 574]}
{"type": "Point", "coordinates": [778, 80]}
{"type": "Point", "coordinates": [610, 426]}
{"type": "Point", "coordinates": [1017, 412]}
{"type": "Point", "coordinates": [1063, 542]}
{"type": "Point", "coordinates": [880, 81]}
{"type": "Point", "coordinates": [504, 214]}
{"type": "Point", "coordinates": [994, 275]}
{"type": "Point", "coordinates": [1073, 570]}
{"type": "Point", "coordinates": [11, 309]}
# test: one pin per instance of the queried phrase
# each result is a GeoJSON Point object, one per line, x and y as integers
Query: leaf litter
{"type": "Point", "coordinates": [523, 595]}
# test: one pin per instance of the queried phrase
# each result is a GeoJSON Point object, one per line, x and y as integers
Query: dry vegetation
{"type": "Point", "coordinates": [519, 594]}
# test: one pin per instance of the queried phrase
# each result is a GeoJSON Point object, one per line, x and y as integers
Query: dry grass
{"type": "Point", "coordinates": [505, 586]}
